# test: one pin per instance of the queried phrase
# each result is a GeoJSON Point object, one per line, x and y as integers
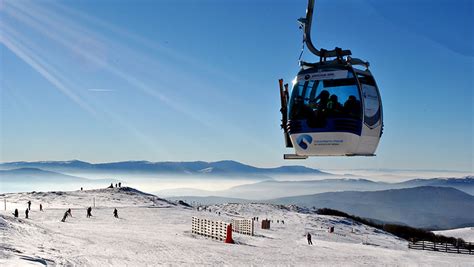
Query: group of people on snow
{"type": "Point", "coordinates": [278, 221]}
{"type": "Point", "coordinates": [68, 212]}
{"type": "Point", "coordinates": [88, 213]}
{"type": "Point", "coordinates": [116, 185]}
{"type": "Point", "coordinates": [27, 210]}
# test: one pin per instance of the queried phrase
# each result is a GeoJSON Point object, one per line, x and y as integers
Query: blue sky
{"type": "Point", "coordinates": [189, 80]}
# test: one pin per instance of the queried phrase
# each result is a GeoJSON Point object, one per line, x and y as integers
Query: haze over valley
{"type": "Point", "coordinates": [434, 203]}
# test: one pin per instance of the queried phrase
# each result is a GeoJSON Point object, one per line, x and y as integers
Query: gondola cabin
{"type": "Point", "coordinates": [333, 109]}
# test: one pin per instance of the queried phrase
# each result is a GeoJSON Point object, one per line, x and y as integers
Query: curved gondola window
{"type": "Point", "coordinates": [372, 112]}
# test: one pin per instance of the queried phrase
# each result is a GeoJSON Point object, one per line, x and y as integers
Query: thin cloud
{"type": "Point", "coordinates": [65, 32]}
{"type": "Point", "coordinates": [100, 90]}
{"type": "Point", "coordinates": [41, 67]}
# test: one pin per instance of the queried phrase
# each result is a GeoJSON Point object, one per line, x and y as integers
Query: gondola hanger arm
{"type": "Point", "coordinates": [305, 24]}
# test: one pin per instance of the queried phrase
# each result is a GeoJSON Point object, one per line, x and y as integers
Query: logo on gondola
{"type": "Point", "coordinates": [307, 76]}
{"type": "Point", "coordinates": [304, 141]}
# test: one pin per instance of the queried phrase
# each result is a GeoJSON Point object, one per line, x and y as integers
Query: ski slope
{"type": "Point", "coordinates": [153, 231]}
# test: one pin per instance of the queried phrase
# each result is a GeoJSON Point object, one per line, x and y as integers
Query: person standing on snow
{"type": "Point", "coordinates": [89, 212]}
{"type": "Point", "coordinates": [26, 213]}
{"type": "Point", "coordinates": [29, 204]}
{"type": "Point", "coordinates": [308, 237]}
{"type": "Point", "coordinates": [15, 213]}
{"type": "Point", "coordinates": [41, 207]}
{"type": "Point", "coordinates": [115, 213]}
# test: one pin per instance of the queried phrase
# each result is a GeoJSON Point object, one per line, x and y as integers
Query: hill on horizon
{"type": "Point", "coordinates": [34, 179]}
{"type": "Point", "coordinates": [29, 174]}
{"type": "Point", "coordinates": [269, 189]}
{"type": "Point", "coordinates": [423, 207]}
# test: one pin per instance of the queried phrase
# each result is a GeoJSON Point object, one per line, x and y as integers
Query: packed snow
{"type": "Point", "coordinates": [466, 233]}
{"type": "Point", "coordinates": [154, 231]}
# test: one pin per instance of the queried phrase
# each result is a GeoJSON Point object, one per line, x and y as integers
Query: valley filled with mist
{"type": "Point", "coordinates": [427, 199]}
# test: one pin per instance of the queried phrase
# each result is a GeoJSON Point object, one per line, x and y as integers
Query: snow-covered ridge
{"type": "Point", "coordinates": [106, 197]}
{"type": "Point", "coordinates": [153, 231]}
{"type": "Point", "coordinates": [466, 233]}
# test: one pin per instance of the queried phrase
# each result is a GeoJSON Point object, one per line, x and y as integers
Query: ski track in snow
{"type": "Point", "coordinates": [153, 231]}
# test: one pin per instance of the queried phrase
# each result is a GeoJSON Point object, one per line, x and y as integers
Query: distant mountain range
{"type": "Point", "coordinates": [274, 189]}
{"type": "Point", "coordinates": [29, 179]}
{"type": "Point", "coordinates": [265, 186]}
{"type": "Point", "coordinates": [218, 168]}
{"type": "Point", "coordinates": [426, 206]}
{"type": "Point", "coordinates": [34, 175]}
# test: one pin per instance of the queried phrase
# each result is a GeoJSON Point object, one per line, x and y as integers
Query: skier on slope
{"type": "Point", "coordinates": [115, 213]}
{"type": "Point", "coordinates": [15, 213]}
{"type": "Point", "coordinates": [89, 212]}
{"type": "Point", "coordinates": [65, 216]}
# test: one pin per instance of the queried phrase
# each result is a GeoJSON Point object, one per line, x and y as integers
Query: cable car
{"type": "Point", "coordinates": [334, 107]}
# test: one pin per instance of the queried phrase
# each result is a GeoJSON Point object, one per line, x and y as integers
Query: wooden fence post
{"type": "Point", "coordinates": [446, 246]}
{"type": "Point", "coordinates": [423, 244]}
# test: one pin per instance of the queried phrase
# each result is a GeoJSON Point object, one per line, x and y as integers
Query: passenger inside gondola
{"type": "Point", "coordinates": [322, 102]}
{"type": "Point", "coordinates": [334, 107]}
{"type": "Point", "coordinates": [317, 103]}
{"type": "Point", "coordinates": [301, 111]}
{"type": "Point", "coordinates": [352, 107]}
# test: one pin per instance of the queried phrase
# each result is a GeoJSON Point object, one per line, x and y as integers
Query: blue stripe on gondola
{"type": "Point", "coordinates": [342, 125]}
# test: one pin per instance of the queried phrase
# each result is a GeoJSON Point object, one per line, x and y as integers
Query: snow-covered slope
{"type": "Point", "coordinates": [153, 231]}
{"type": "Point", "coordinates": [108, 197]}
{"type": "Point", "coordinates": [466, 233]}
{"type": "Point", "coordinates": [303, 221]}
